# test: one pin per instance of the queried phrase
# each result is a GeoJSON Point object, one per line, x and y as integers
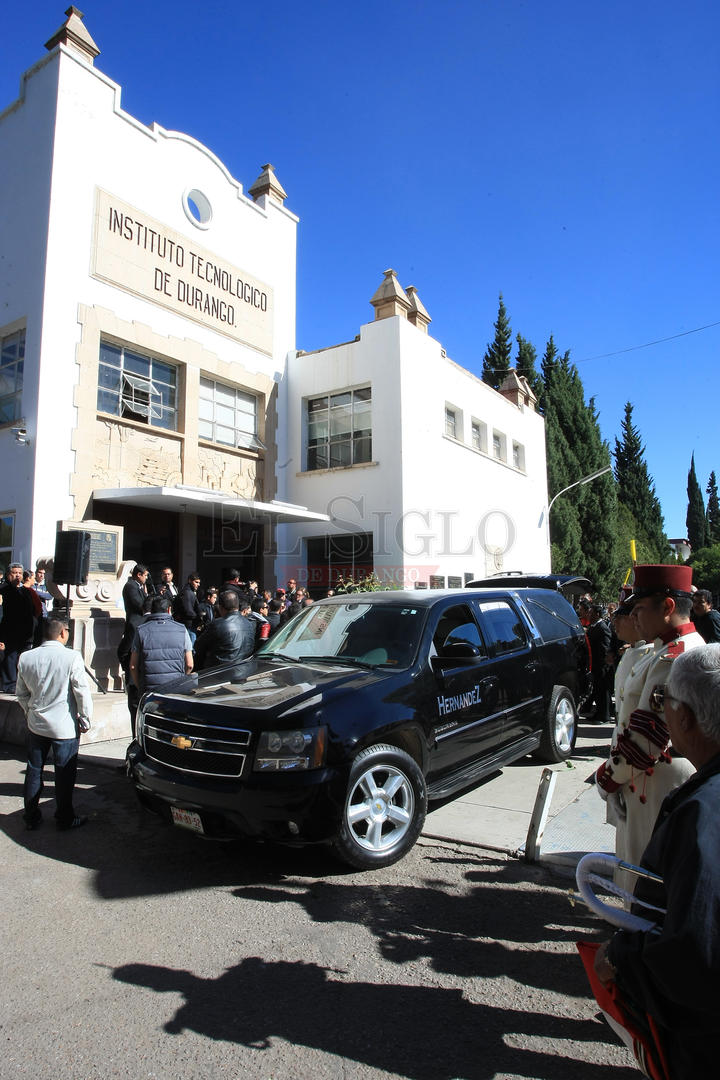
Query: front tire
{"type": "Point", "coordinates": [560, 728]}
{"type": "Point", "coordinates": [385, 808]}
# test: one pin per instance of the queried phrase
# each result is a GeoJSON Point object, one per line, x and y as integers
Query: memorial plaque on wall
{"type": "Point", "coordinates": [103, 552]}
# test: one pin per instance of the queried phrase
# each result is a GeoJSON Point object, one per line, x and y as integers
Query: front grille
{"type": "Point", "coordinates": [192, 746]}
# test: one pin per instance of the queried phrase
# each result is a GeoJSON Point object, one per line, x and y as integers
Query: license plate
{"type": "Point", "coordinates": [187, 819]}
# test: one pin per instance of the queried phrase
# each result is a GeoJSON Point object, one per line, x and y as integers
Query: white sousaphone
{"type": "Point", "coordinates": [596, 870]}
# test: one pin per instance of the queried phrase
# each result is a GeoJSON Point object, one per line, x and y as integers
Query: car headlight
{"type": "Point", "coordinates": [291, 751]}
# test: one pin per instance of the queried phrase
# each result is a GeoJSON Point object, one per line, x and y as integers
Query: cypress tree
{"type": "Point", "coordinates": [712, 514]}
{"type": "Point", "coordinates": [583, 521]}
{"type": "Point", "coordinates": [549, 361]}
{"type": "Point", "coordinates": [695, 520]}
{"type": "Point", "coordinates": [496, 361]}
{"type": "Point", "coordinates": [636, 489]}
{"type": "Point", "coordinates": [525, 365]}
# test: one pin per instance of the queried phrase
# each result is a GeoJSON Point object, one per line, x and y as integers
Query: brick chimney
{"type": "Point", "coordinates": [516, 388]}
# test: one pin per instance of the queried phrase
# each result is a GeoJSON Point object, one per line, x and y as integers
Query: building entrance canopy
{"type": "Point", "coordinates": [205, 502]}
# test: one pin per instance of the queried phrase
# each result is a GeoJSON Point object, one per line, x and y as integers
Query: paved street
{"type": "Point", "coordinates": [135, 950]}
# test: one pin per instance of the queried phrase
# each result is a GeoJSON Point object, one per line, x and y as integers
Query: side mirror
{"type": "Point", "coordinates": [459, 650]}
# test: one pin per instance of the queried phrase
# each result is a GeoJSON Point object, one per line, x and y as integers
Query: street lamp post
{"type": "Point", "coordinates": [585, 480]}
{"type": "Point", "coordinates": [576, 483]}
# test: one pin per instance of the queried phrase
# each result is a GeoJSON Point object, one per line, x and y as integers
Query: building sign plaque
{"type": "Point", "coordinates": [149, 259]}
{"type": "Point", "coordinates": [103, 552]}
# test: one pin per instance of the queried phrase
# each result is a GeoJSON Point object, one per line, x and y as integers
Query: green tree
{"type": "Point", "coordinates": [636, 489]}
{"type": "Point", "coordinates": [712, 514]}
{"type": "Point", "coordinates": [496, 361]}
{"type": "Point", "coordinates": [629, 528]}
{"type": "Point", "coordinates": [582, 521]}
{"type": "Point", "coordinates": [706, 568]}
{"type": "Point", "coordinates": [525, 365]}
{"type": "Point", "coordinates": [695, 520]}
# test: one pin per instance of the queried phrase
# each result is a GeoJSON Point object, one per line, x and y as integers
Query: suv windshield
{"type": "Point", "coordinates": [375, 634]}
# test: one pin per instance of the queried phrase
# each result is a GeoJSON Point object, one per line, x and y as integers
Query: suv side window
{"type": "Point", "coordinates": [503, 626]}
{"type": "Point", "coordinates": [553, 615]}
{"type": "Point", "coordinates": [458, 624]}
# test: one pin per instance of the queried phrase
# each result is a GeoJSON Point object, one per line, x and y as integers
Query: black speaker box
{"type": "Point", "coordinates": [72, 557]}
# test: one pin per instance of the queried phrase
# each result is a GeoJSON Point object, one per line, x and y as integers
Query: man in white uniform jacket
{"type": "Point", "coordinates": [54, 694]}
{"type": "Point", "coordinates": [642, 767]}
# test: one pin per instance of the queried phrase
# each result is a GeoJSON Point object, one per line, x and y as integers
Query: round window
{"type": "Point", "coordinates": [197, 208]}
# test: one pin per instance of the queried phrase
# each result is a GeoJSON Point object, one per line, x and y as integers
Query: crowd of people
{"type": "Point", "coordinates": [170, 631]}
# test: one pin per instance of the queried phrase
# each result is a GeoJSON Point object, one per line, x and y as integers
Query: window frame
{"type": "Point", "coordinates": [454, 426]}
{"type": "Point", "coordinates": [148, 398]}
{"type": "Point", "coordinates": [243, 438]}
{"type": "Point", "coordinates": [11, 516]}
{"type": "Point", "coordinates": [501, 439]}
{"type": "Point", "coordinates": [17, 364]}
{"type": "Point", "coordinates": [482, 441]}
{"type": "Point", "coordinates": [321, 453]}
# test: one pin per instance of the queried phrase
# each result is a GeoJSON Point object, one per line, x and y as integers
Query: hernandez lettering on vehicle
{"type": "Point", "coordinates": [359, 711]}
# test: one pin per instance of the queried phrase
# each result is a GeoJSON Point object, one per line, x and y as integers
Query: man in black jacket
{"type": "Point", "coordinates": [707, 621]}
{"type": "Point", "coordinates": [186, 608]}
{"type": "Point", "coordinates": [599, 635]}
{"type": "Point", "coordinates": [229, 638]}
{"type": "Point", "coordinates": [17, 625]}
{"type": "Point", "coordinates": [136, 603]}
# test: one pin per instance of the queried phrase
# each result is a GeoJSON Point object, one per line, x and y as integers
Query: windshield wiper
{"type": "Point", "coordinates": [276, 656]}
{"type": "Point", "coordinates": [340, 660]}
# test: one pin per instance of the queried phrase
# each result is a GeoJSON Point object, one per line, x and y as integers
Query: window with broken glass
{"type": "Point", "coordinates": [137, 387]}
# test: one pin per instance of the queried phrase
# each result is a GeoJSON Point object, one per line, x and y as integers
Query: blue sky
{"type": "Point", "coordinates": [562, 153]}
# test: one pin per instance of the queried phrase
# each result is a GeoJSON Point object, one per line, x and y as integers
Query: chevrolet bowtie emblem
{"type": "Point", "coordinates": [181, 742]}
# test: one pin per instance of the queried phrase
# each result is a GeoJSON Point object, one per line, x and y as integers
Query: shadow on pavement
{"type": "Point", "coordinates": [498, 930]}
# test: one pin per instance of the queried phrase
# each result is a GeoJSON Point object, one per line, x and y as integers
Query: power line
{"type": "Point", "coordinates": [633, 348]}
{"type": "Point", "coordinates": [659, 341]}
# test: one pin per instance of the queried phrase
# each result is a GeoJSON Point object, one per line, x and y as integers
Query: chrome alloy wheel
{"type": "Point", "coordinates": [380, 808]}
{"type": "Point", "coordinates": [564, 725]}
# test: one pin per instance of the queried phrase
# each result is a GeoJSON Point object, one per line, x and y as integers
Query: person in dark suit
{"type": "Point", "coordinates": [599, 635]}
{"type": "Point", "coordinates": [137, 604]}
{"type": "Point", "coordinates": [229, 638]}
{"type": "Point", "coordinates": [17, 626]}
{"type": "Point", "coordinates": [186, 608]}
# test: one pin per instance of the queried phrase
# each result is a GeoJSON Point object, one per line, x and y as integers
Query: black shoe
{"type": "Point", "coordinates": [74, 824]}
{"type": "Point", "coordinates": [31, 826]}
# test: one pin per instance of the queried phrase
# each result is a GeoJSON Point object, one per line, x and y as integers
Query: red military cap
{"type": "Point", "coordinates": [653, 578]}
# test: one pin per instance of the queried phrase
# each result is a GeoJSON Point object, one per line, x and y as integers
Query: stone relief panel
{"type": "Point", "coordinates": [126, 457]}
{"type": "Point", "coordinates": [230, 474]}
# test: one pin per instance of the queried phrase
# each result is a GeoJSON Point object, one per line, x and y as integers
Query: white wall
{"type": "Point", "coordinates": [433, 504]}
{"type": "Point", "coordinates": [26, 146]}
{"type": "Point", "coordinates": [55, 170]}
{"type": "Point", "coordinates": [358, 497]}
{"type": "Point", "coordinates": [471, 504]}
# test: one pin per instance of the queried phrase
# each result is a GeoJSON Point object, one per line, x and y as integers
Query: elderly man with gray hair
{"type": "Point", "coordinates": [671, 975]}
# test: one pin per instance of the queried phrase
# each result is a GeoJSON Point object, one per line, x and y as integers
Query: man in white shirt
{"type": "Point", "coordinates": [167, 585]}
{"type": "Point", "coordinates": [54, 694]}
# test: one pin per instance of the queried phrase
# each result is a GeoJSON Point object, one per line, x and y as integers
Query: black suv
{"type": "Point", "coordinates": [360, 710]}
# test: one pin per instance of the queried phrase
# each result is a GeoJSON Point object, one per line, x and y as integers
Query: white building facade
{"type": "Point", "coordinates": [430, 477]}
{"type": "Point", "coordinates": [149, 380]}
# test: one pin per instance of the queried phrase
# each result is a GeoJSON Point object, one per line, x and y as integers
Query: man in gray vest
{"type": "Point", "coordinates": [161, 650]}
